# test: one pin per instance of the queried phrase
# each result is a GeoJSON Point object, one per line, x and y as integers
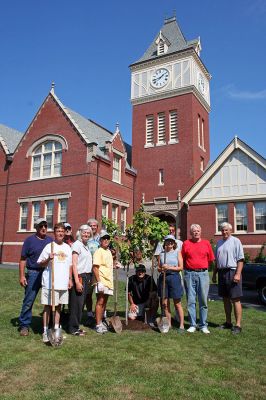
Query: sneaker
{"type": "Point", "coordinates": [181, 330]}
{"type": "Point", "coordinates": [236, 330]}
{"type": "Point", "coordinates": [192, 329]}
{"type": "Point", "coordinates": [24, 331]}
{"type": "Point", "coordinates": [104, 327]}
{"type": "Point", "coordinates": [105, 324]}
{"type": "Point", "coordinates": [205, 330]}
{"type": "Point", "coordinates": [226, 325]}
{"type": "Point", "coordinates": [100, 329]}
{"type": "Point", "coordinates": [45, 338]}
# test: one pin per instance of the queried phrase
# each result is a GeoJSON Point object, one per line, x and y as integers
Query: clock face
{"type": "Point", "coordinates": [160, 78]}
{"type": "Point", "coordinates": [201, 83]}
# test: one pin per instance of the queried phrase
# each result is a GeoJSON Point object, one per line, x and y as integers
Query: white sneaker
{"type": "Point", "coordinates": [205, 330]}
{"type": "Point", "coordinates": [104, 327]}
{"type": "Point", "coordinates": [99, 329]}
{"type": "Point", "coordinates": [45, 338]}
{"type": "Point", "coordinates": [192, 329]}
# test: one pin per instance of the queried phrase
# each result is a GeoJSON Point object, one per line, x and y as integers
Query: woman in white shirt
{"type": "Point", "coordinates": [82, 266]}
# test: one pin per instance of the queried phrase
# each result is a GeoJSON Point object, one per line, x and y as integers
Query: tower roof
{"type": "Point", "coordinates": [176, 41]}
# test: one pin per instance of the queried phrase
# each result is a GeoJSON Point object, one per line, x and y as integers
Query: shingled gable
{"type": "Point", "coordinates": [235, 145]}
{"type": "Point", "coordinates": [176, 41]}
{"type": "Point", "coordinates": [9, 139]}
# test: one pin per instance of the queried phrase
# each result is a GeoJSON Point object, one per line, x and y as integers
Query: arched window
{"type": "Point", "coordinates": [47, 160]}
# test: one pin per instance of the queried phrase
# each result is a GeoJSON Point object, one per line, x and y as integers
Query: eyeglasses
{"type": "Point", "coordinates": [42, 225]}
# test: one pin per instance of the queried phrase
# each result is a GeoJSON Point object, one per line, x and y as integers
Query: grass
{"type": "Point", "coordinates": [145, 365]}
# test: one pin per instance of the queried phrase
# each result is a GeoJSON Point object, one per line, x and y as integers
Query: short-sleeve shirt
{"type": "Point", "coordinates": [228, 252]}
{"type": "Point", "coordinates": [31, 250]}
{"type": "Point", "coordinates": [104, 260]}
{"type": "Point", "coordinates": [140, 289]}
{"type": "Point", "coordinates": [197, 255]}
{"type": "Point", "coordinates": [169, 258]}
{"type": "Point", "coordinates": [84, 257]}
{"type": "Point", "coordinates": [62, 263]}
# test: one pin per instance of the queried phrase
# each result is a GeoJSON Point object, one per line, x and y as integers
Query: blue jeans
{"type": "Point", "coordinates": [34, 279]}
{"type": "Point", "coordinates": [197, 286]}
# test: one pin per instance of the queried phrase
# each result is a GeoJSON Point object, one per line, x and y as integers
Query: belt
{"type": "Point", "coordinates": [197, 270]}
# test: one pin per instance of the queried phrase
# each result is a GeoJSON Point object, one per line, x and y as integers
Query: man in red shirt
{"type": "Point", "coordinates": [197, 254]}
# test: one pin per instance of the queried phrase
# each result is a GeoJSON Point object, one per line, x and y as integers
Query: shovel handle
{"type": "Point", "coordinates": [53, 292]}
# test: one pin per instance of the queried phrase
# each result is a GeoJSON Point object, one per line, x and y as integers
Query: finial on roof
{"type": "Point", "coordinates": [235, 141]}
{"type": "Point", "coordinates": [174, 13]}
{"type": "Point", "coordinates": [52, 88]}
{"type": "Point", "coordinates": [117, 127]}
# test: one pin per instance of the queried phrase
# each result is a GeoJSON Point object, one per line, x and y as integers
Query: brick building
{"type": "Point", "coordinates": [67, 167]}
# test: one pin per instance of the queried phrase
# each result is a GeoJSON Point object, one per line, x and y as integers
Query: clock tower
{"type": "Point", "coordinates": [170, 128]}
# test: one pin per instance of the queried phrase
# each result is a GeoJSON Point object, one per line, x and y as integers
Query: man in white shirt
{"type": "Point", "coordinates": [62, 256]}
{"type": "Point", "coordinates": [229, 257]}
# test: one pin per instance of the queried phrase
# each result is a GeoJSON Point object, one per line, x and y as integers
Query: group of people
{"type": "Point", "coordinates": [86, 264]}
{"type": "Point", "coordinates": [80, 266]}
{"type": "Point", "coordinates": [193, 257]}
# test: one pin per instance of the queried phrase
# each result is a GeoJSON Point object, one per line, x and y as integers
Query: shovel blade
{"type": "Point", "coordinates": [163, 324]}
{"type": "Point", "coordinates": [116, 324]}
{"type": "Point", "coordinates": [55, 337]}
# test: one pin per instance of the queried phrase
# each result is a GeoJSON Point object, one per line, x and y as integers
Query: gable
{"type": "Point", "coordinates": [240, 176]}
{"type": "Point", "coordinates": [117, 143]}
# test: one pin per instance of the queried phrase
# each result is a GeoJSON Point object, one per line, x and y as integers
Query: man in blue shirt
{"type": "Point", "coordinates": [31, 281]}
{"type": "Point", "coordinates": [229, 257]}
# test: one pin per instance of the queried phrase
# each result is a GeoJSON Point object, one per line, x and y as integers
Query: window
{"type": "Point", "coordinates": [23, 216]}
{"type": "Point", "coordinates": [114, 213]}
{"type": "Point", "coordinates": [47, 160]}
{"type": "Point", "coordinates": [161, 128]}
{"type": "Point", "coordinates": [149, 130]}
{"type": "Point", "coordinates": [200, 132]}
{"type": "Point", "coordinates": [161, 177]}
{"type": "Point", "coordinates": [123, 219]}
{"type": "Point", "coordinates": [201, 163]}
{"type": "Point", "coordinates": [35, 212]}
{"type": "Point", "coordinates": [49, 205]}
{"type": "Point", "coordinates": [173, 126]}
{"type": "Point", "coordinates": [105, 209]}
{"type": "Point", "coordinates": [116, 168]}
{"type": "Point", "coordinates": [222, 215]}
{"type": "Point", "coordinates": [160, 48]}
{"type": "Point", "coordinates": [62, 210]}
{"type": "Point", "coordinates": [260, 215]}
{"type": "Point", "coordinates": [241, 216]}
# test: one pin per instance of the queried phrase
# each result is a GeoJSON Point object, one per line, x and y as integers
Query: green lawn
{"type": "Point", "coordinates": [144, 365]}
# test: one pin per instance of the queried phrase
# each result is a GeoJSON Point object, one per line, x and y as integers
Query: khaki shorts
{"type": "Point", "coordinates": [61, 297]}
{"type": "Point", "coordinates": [108, 291]}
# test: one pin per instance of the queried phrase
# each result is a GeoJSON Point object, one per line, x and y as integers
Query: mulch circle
{"type": "Point", "coordinates": [136, 326]}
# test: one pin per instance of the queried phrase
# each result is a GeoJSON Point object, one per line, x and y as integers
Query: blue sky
{"type": "Point", "coordinates": [85, 47]}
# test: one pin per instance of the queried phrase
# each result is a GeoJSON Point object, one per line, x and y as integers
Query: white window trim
{"type": "Point", "coordinates": [254, 218]}
{"type": "Point", "coordinates": [216, 217]}
{"type": "Point", "coordinates": [235, 224]}
{"type": "Point", "coordinates": [40, 198]}
{"type": "Point", "coordinates": [45, 212]}
{"type": "Point", "coordinates": [119, 158]}
{"type": "Point", "coordinates": [107, 209]}
{"type": "Point", "coordinates": [114, 201]}
{"type": "Point", "coordinates": [161, 175]}
{"type": "Point", "coordinates": [47, 138]}
{"type": "Point", "coordinates": [59, 208]}
{"type": "Point", "coordinates": [32, 214]}
{"type": "Point", "coordinates": [124, 213]}
{"type": "Point", "coordinates": [115, 207]}
{"type": "Point", "coordinates": [20, 216]}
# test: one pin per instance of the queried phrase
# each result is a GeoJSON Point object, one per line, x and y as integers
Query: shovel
{"type": "Point", "coordinates": [163, 322]}
{"type": "Point", "coordinates": [54, 335]}
{"type": "Point", "coordinates": [115, 321]}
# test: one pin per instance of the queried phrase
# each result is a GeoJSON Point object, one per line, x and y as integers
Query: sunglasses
{"type": "Point", "coordinates": [42, 225]}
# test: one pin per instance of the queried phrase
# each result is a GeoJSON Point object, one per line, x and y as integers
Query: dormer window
{"type": "Point", "coordinates": [162, 44]}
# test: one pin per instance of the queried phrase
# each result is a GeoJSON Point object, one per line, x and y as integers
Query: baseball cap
{"type": "Point", "coordinates": [169, 237]}
{"type": "Point", "coordinates": [104, 234]}
{"type": "Point", "coordinates": [39, 221]}
{"type": "Point", "coordinates": [67, 225]}
{"type": "Point", "coordinates": [140, 268]}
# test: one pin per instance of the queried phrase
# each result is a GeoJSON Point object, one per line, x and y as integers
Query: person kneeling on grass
{"type": "Point", "coordinates": [142, 294]}
{"type": "Point", "coordinates": [103, 277]}
{"type": "Point", "coordinates": [62, 257]}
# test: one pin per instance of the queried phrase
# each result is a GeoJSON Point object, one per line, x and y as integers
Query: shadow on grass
{"type": "Point", "coordinates": [36, 324]}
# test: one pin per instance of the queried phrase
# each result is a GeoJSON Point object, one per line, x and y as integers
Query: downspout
{"type": "Point", "coordinates": [97, 189]}
{"type": "Point", "coordinates": [9, 160]}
